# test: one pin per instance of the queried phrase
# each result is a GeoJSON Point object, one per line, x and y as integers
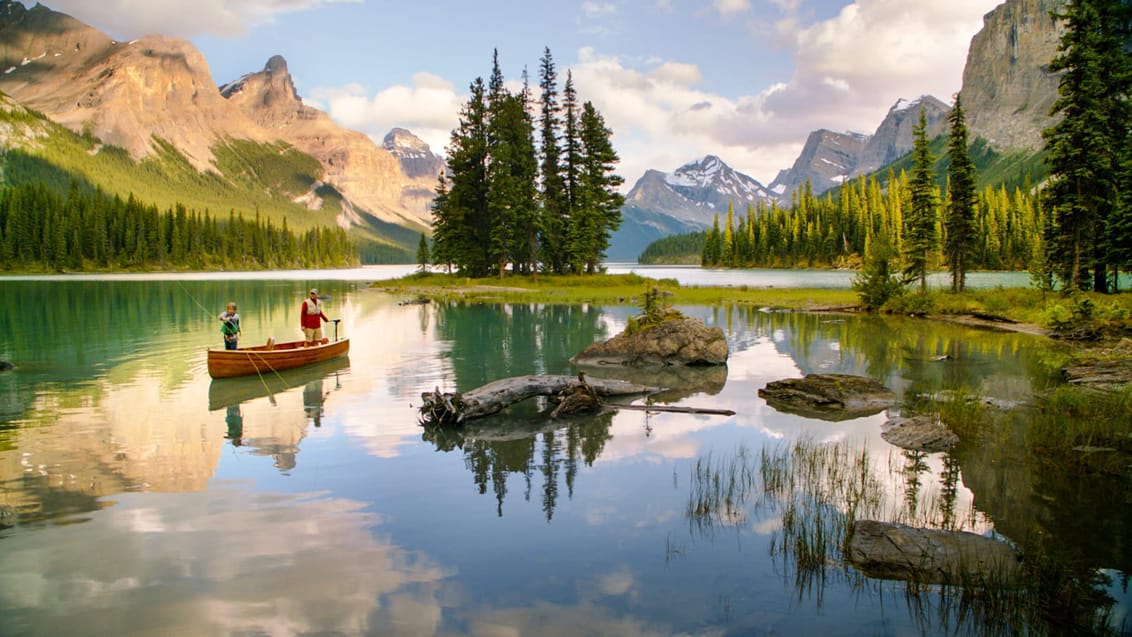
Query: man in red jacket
{"type": "Point", "coordinates": [312, 318]}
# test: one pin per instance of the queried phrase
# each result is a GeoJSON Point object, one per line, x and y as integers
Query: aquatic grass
{"type": "Point", "coordinates": [819, 490]}
{"type": "Point", "coordinates": [1070, 419]}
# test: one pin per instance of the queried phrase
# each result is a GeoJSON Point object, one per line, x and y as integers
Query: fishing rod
{"type": "Point", "coordinates": [270, 394]}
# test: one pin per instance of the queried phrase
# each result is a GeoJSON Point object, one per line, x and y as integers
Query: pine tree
{"type": "Point", "coordinates": [959, 223]}
{"type": "Point", "coordinates": [554, 202]}
{"type": "Point", "coordinates": [463, 210]}
{"type": "Point", "coordinates": [598, 201]}
{"type": "Point", "coordinates": [1083, 148]}
{"type": "Point", "coordinates": [920, 234]}
{"type": "Point", "coordinates": [422, 253]}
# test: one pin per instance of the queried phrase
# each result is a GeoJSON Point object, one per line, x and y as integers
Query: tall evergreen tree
{"type": "Point", "coordinates": [463, 210]}
{"type": "Point", "coordinates": [598, 203]}
{"type": "Point", "coordinates": [422, 253]}
{"type": "Point", "coordinates": [959, 224]}
{"type": "Point", "coordinates": [553, 192]}
{"type": "Point", "coordinates": [920, 235]}
{"type": "Point", "coordinates": [1083, 148]}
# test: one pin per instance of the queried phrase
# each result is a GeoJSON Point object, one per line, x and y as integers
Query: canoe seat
{"type": "Point", "coordinates": [270, 343]}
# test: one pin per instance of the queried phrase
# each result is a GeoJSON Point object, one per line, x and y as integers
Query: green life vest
{"type": "Point", "coordinates": [229, 328]}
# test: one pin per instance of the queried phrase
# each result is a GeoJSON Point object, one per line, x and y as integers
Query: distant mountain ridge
{"type": "Point", "coordinates": [828, 159]}
{"type": "Point", "coordinates": [685, 200]}
{"type": "Point", "coordinates": [157, 92]}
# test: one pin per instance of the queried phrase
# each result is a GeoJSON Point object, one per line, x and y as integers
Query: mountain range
{"type": "Point", "coordinates": [155, 99]}
{"type": "Point", "coordinates": [1007, 93]}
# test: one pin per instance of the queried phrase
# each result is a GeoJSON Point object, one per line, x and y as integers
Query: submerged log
{"type": "Point", "coordinates": [455, 408]}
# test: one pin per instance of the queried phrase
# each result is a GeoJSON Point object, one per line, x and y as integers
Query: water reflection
{"type": "Point", "coordinates": [221, 562]}
{"type": "Point", "coordinates": [515, 523]}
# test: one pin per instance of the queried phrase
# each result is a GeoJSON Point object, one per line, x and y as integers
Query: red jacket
{"type": "Point", "coordinates": [312, 319]}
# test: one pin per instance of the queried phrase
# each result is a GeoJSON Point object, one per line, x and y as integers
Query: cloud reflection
{"type": "Point", "coordinates": [222, 562]}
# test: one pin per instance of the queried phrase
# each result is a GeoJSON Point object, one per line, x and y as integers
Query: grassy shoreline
{"type": "Point", "coordinates": [1020, 305]}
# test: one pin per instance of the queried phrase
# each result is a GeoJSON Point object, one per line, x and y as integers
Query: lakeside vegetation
{"type": "Point", "coordinates": [1023, 305]}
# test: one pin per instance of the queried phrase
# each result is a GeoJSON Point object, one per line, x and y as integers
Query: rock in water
{"type": "Point", "coordinates": [931, 556]}
{"type": "Point", "coordinates": [919, 433]}
{"type": "Point", "coordinates": [828, 396]}
{"type": "Point", "coordinates": [683, 341]}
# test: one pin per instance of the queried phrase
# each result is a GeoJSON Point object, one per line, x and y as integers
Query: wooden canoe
{"type": "Point", "coordinates": [266, 359]}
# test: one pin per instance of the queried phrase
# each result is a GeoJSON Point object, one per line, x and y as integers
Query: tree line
{"type": "Point", "coordinates": [508, 201]}
{"type": "Point", "coordinates": [1074, 230]}
{"type": "Point", "coordinates": [42, 230]}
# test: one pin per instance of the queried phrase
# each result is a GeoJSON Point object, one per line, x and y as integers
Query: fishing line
{"type": "Point", "coordinates": [194, 299]}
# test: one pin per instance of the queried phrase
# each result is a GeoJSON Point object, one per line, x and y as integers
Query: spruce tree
{"type": "Point", "coordinates": [1082, 147]}
{"type": "Point", "coordinates": [598, 202]}
{"type": "Point", "coordinates": [422, 253]}
{"type": "Point", "coordinates": [920, 234]}
{"type": "Point", "coordinates": [463, 211]}
{"type": "Point", "coordinates": [553, 194]}
{"type": "Point", "coordinates": [959, 224]}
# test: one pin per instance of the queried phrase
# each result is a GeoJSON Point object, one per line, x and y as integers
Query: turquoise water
{"type": "Point", "coordinates": [139, 497]}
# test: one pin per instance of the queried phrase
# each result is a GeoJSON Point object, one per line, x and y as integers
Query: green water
{"type": "Point", "coordinates": [139, 497]}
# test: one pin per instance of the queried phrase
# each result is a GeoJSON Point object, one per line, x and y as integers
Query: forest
{"type": "Point", "coordinates": [41, 231]}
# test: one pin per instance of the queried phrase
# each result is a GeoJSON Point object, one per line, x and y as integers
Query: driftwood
{"type": "Point", "coordinates": [574, 395]}
{"type": "Point", "coordinates": [455, 408]}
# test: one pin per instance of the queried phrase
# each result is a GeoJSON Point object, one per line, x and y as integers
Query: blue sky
{"type": "Point", "coordinates": [746, 80]}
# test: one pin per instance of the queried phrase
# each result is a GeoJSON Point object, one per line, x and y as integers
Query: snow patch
{"type": "Point", "coordinates": [9, 70]}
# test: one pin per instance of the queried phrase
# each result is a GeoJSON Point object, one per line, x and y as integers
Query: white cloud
{"type": "Point", "coordinates": [224, 18]}
{"type": "Point", "coordinates": [595, 10]}
{"type": "Point", "coordinates": [848, 71]}
{"type": "Point", "coordinates": [429, 108]}
{"type": "Point", "coordinates": [731, 7]}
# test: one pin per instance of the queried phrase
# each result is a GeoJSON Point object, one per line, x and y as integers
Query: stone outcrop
{"type": "Point", "coordinates": [829, 396]}
{"type": "Point", "coordinates": [1007, 86]}
{"type": "Point", "coordinates": [682, 341]}
{"type": "Point", "coordinates": [131, 94]}
{"type": "Point", "coordinates": [930, 556]}
{"type": "Point", "coordinates": [6, 366]}
{"type": "Point", "coordinates": [919, 433]}
{"type": "Point", "coordinates": [367, 174]}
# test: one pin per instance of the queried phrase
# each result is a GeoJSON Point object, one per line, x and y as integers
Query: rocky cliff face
{"type": "Point", "coordinates": [128, 94]}
{"type": "Point", "coordinates": [367, 174]}
{"type": "Point", "coordinates": [122, 93]}
{"type": "Point", "coordinates": [1007, 87]}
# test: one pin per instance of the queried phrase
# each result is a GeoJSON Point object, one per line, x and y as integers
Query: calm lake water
{"type": "Point", "coordinates": [140, 497]}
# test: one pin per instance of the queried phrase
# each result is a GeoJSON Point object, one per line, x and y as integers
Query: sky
{"type": "Point", "coordinates": [675, 80]}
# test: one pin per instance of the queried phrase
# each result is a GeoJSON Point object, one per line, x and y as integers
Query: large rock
{"type": "Point", "coordinates": [683, 341]}
{"type": "Point", "coordinates": [919, 433]}
{"type": "Point", "coordinates": [6, 366]}
{"type": "Point", "coordinates": [829, 396]}
{"type": "Point", "coordinates": [931, 556]}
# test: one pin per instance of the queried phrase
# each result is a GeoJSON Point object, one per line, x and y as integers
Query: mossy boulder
{"type": "Point", "coordinates": [828, 396]}
{"type": "Point", "coordinates": [678, 341]}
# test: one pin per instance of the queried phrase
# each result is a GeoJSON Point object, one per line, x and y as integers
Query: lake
{"type": "Point", "coordinates": [140, 497]}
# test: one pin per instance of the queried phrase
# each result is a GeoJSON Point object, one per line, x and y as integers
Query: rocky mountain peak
{"type": "Point", "coordinates": [416, 158]}
{"type": "Point", "coordinates": [893, 138]}
{"type": "Point", "coordinates": [269, 96]}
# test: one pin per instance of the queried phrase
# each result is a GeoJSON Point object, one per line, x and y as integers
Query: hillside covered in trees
{"type": "Point", "coordinates": [45, 232]}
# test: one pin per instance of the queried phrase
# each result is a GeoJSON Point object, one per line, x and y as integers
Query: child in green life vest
{"type": "Point", "coordinates": [230, 326]}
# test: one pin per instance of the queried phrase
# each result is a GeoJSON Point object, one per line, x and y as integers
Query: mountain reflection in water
{"type": "Point", "coordinates": [140, 497]}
